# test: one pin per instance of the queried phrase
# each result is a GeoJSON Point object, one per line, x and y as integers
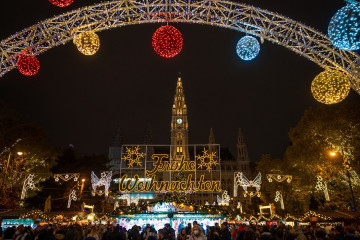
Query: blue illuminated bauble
{"type": "Point", "coordinates": [248, 48]}
{"type": "Point", "coordinates": [344, 28]}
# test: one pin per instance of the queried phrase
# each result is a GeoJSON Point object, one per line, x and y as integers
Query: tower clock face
{"type": "Point", "coordinates": [179, 121]}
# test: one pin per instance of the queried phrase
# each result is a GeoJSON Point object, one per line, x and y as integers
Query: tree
{"type": "Point", "coordinates": [37, 157]}
{"type": "Point", "coordinates": [319, 130]}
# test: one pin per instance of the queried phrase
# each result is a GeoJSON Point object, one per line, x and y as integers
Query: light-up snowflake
{"type": "Point", "coordinates": [133, 156]}
{"type": "Point", "coordinates": [224, 200]}
{"type": "Point", "coordinates": [105, 180]}
{"type": "Point", "coordinates": [28, 184]}
{"type": "Point", "coordinates": [279, 198]}
{"type": "Point", "coordinates": [207, 160]}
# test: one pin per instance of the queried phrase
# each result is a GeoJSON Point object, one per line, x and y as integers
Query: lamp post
{"type": "Point", "coordinates": [347, 168]}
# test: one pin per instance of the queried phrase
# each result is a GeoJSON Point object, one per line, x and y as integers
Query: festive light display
{"type": "Point", "coordinates": [72, 197]}
{"type": "Point", "coordinates": [241, 180]}
{"type": "Point", "coordinates": [279, 178]}
{"type": "Point", "coordinates": [322, 186]}
{"type": "Point", "coordinates": [248, 48]}
{"type": "Point", "coordinates": [28, 184]}
{"type": "Point", "coordinates": [105, 180]}
{"type": "Point", "coordinates": [354, 177]}
{"type": "Point", "coordinates": [87, 42]}
{"type": "Point", "coordinates": [33, 213]}
{"type": "Point", "coordinates": [66, 176]}
{"type": "Point", "coordinates": [239, 206]}
{"type": "Point", "coordinates": [62, 3]}
{"type": "Point", "coordinates": [130, 199]}
{"type": "Point", "coordinates": [116, 205]}
{"type": "Point", "coordinates": [330, 87]}
{"type": "Point", "coordinates": [28, 65]}
{"type": "Point", "coordinates": [224, 199]}
{"type": "Point", "coordinates": [133, 156]}
{"type": "Point", "coordinates": [207, 160]}
{"type": "Point", "coordinates": [271, 208]}
{"type": "Point", "coordinates": [167, 41]}
{"type": "Point", "coordinates": [279, 198]}
{"type": "Point", "coordinates": [344, 27]}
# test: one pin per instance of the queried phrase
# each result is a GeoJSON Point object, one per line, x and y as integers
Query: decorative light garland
{"type": "Point", "coordinates": [239, 206]}
{"type": "Point", "coordinates": [330, 87]}
{"type": "Point", "coordinates": [279, 178]}
{"type": "Point", "coordinates": [224, 199]}
{"type": "Point", "coordinates": [72, 197]}
{"type": "Point", "coordinates": [241, 180]}
{"type": "Point", "coordinates": [66, 176]}
{"type": "Point", "coordinates": [248, 48]}
{"type": "Point", "coordinates": [279, 198]}
{"type": "Point", "coordinates": [28, 184]}
{"type": "Point", "coordinates": [62, 3]}
{"type": "Point", "coordinates": [167, 41]}
{"type": "Point", "coordinates": [322, 186]}
{"type": "Point", "coordinates": [87, 42]}
{"type": "Point", "coordinates": [32, 213]}
{"type": "Point", "coordinates": [28, 65]}
{"type": "Point", "coordinates": [344, 28]}
{"type": "Point", "coordinates": [105, 180]}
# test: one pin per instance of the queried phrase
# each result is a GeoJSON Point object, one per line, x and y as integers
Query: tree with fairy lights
{"type": "Point", "coordinates": [178, 197]}
{"type": "Point", "coordinates": [317, 175]}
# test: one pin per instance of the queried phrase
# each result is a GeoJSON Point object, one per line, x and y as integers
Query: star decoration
{"type": "Point", "coordinates": [133, 156]}
{"type": "Point", "coordinates": [207, 160]}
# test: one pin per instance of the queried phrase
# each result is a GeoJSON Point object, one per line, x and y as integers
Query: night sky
{"type": "Point", "coordinates": [82, 100]}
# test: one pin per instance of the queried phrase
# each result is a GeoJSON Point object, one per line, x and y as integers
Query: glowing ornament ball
{"type": "Point", "coordinates": [87, 42]}
{"type": "Point", "coordinates": [28, 65]}
{"type": "Point", "coordinates": [62, 3]}
{"type": "Point", "coordinates": [344, 28]}
{"type": "Point", "coordinates": [248, 48]}
{"type": "Point", "coordinates": [167, 41]}
{"type": "Point", "coordinates": [330, 87]}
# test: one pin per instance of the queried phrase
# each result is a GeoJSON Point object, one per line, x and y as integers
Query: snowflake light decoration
{"type": "Point", "coordinates": [279, 198]}
{"type": "Point", "coordinates": [28, 184]}
{"type": "Point", "coordinates": [105, 180]}
{"type": "Point", "coordinates": [207, 203]}
{"type": "Point", "coordinates": [66, 176]}
{"type": "Point", "coordinates": [224, 199]}
{"type": "Point", "coordinates": [344, 28]}
{"type": "Point", "coordinates": [322, 186]}
{"type": "Point", "coordinates": [241, 180]}
{"type": "Point", "coordinates": [207, 160]}
{"type": "Point", "coordinates": [248, 48]}
{"type": "Point", "coordinates": [72, 197]}
{"type": "Point", "coordinates": [133, 156]}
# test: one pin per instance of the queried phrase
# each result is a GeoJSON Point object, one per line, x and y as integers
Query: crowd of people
{"type": "Point", "coordinates": [192, 231]}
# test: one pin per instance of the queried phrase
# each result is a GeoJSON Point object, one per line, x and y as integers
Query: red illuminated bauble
{"type": "Point", "coordinates": [28, 65]}
{"type": "Point", "coordinates": [62, 3]}
{"type": "Point", "coordinates": [167, 41]}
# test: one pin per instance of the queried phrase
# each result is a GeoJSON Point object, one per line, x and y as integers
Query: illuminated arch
{"type": "Point", "coordinates": [262, 23]}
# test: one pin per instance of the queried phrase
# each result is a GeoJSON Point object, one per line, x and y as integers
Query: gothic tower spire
{"type": "Point", "coordinates": [242, 154]}
{"type": "Point", "coordinates": [179, 124]}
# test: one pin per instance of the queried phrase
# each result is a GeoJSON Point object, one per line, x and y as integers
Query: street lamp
{"type": "Point", "coordinates": [347, 168]}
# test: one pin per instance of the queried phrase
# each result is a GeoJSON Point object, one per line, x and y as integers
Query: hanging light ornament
{"type": "Point", "coordinates": [87, 42]}
{"type": "Point", "coordinates": [28, 65]}
{"type": "Point", "coordinates": [62, 3]}
{"type": "Point", "coordinates": [167, 41]}
{"type": "Point", "coordinates": [330, 87]}
{"type": "Point", "coordinates": [344, 27]}
{"type": "Point", "coordinates": [248, 48]}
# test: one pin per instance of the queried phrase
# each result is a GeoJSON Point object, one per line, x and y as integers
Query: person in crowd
{"type": "Point", "coordinates": [225, 233]}
{"type": "Point", "coordinates": [162, 234]}
{"type": "Point", "coordinates": [217, 226]}
{"type": "Point", "coordinates": [266, 235]}
{"type": "Point", "coordinates": [182, 235]}
{"type": "Point", "coordinates": [9, 233]}
{"type": "Point", "coordinates": [93, 234]}
{"type": "Point", "coordinates": [213, 234]}
{"type": "Point", "coordinates": [148, 233]}
{"type": "Point", "coordinates": [134, 233]}
{"type": "Point", "coordinates": [350, 234]}
{"type": "Point", "coordinates": [196, 233]}
{"type": "Point", "coordinates": [188, 229]}
{"type": "Point", "coordinates": [249, 235]}
{"type": "Point", "coordinates": [170, 232]}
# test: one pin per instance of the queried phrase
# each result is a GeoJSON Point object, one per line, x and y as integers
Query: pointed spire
{"type": "Point", "coordinates": [240, 137]}
{"type": "Point", "coordinates": [118, 138]}
{"type": "Point", "coordinates": [211, 137]}
{"type": "Point", "coordinates": [242, 153]}
{"type": "Point", "coordinates": [179, 106]}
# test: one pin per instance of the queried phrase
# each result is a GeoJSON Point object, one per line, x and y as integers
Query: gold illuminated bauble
{"type": "Point", "coordinates": [87, 42]}
{"type": "Point", "coordinates": [330, 87]}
